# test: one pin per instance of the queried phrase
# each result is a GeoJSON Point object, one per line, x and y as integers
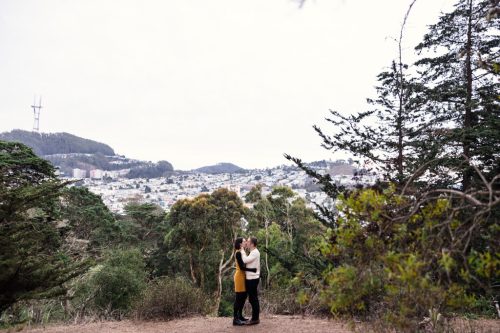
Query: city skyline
{"type": "Point", "coordinates": [198, 83]}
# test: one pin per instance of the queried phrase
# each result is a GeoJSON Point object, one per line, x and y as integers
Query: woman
{"type": "Point", "coordinates": [239, 284]}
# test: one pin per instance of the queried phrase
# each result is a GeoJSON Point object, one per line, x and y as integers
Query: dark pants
{"type": "Point", "coordinates": [239, 303]}
{"type": "Point", "coordinates": [253, 297]}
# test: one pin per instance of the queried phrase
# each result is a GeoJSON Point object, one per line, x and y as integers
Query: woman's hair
{"type": "Point", "coordinates": [237, 243]}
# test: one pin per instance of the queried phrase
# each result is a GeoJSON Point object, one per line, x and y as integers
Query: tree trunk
{"type": "Point", "coordinates": [223, 268]}
{"type": "Point", "coordinates": [193, 277]}
{"type": "Point", "coordinates": [266, 223]}
{"type": "Point", "coordinates": [401, 110]}
{"type": "Point", "coordinates": [467, 124]}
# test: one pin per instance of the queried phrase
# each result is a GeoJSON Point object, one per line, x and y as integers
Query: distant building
{"type": "Point", "coordinates": [96, 174]}
{"type": "Point", "coordinates": [234, 188]}
{"type": "Point", "coordinates": [79, 173]}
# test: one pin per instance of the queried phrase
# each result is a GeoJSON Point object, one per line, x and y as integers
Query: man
{"type": "Point", "coordinates": [252, 278]}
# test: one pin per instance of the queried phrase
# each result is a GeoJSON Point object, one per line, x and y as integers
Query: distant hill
{"type": "Point", "coordinates": [151, 170]}
{"type": "Point", "coordinates": [337, 167]}
{"type": "Point", "coordinates": [67, 162]}
{"type": "Point", "coordinates": [68, 151]}
{"type": "Point", "coordinates": [57, 143]}
{"type": "Point", "coordinates": [220, 168]}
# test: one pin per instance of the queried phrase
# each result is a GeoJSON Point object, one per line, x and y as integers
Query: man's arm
{"type": "Point", "coordinates": [249, 258]}
{"type": "Point", "coordinates": [242, 265]}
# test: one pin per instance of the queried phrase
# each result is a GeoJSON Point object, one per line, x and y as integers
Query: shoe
{"type": "Point", "coordinates": [237, 322]}
{"type": "Point", "coordinates": [239, 315]}
{"type": "Point", "coordinates": [253, 322]}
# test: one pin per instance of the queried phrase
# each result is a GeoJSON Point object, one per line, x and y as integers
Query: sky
{"type": "Point", "coordinates": [199, 82]}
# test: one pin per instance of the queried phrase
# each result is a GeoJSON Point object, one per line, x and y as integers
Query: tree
{"type": "Point", "coordinates": [463, 111]}
{"type": "Point", "coordinates": [389, 134]}
{"type": "Point", "coordinates": [118, 281]}
{"type": "Point", "coordinates": [143, 227]}
{"type": "Point", "coordinates": [88, 220]}
{"type": "Point", "coordinates": [410, 254]}
{"type": "Point", "coordinates": [32, 262]}
{"type": "Point", "coordinates": [200, 237]}
{"type": "Point", "coordinates": [407, 248]}
{"type": "Point", "coordinates": [290, 231]}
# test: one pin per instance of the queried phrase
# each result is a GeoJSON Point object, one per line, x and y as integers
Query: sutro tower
{"type": "Point", "coordinates": [36, 114]}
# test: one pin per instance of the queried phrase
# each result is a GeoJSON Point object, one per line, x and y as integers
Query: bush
{"type": "Point", "coordinates": [121, 279]}
{"type": "Point", "coordinates": [109, 289]}
{"type": "Point", "coordinates": [32, 312]}
{"type": "Point", "coordinates": [393, 262]}
{"type": "Point", "coordinates": [300, 296]}
{"type": "Point", "coordinates": [167, 298]}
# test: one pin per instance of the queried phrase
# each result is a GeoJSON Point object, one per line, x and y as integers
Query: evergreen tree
{"type": "Point", "coordinates": [389, 134]}
{"type": "Point", "coordinates": [462, 106]}
{"type": "Point", "coordinates": [32, 262]}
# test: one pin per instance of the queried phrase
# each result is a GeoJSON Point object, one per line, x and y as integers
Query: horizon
{"type": "Point", "coordinates": [196, 83]}
{"type": "Point", "coordinates": [173, 162]}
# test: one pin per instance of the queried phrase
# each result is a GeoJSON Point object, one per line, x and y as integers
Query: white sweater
{"type": "Point", "coordinates": [252, 261]}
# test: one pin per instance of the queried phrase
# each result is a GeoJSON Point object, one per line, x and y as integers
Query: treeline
{"type": "Point", "coordinates": [57, 143]}
{"type": "Point", "coordinates": [64, 255]}
{"type": "Point", "coordinates": [423, 241]}
{"type": "Point", "coordinates": [151, 170]}
{"type": "Point", "coordinates": [221, 168]}
{"type": "Point", "coordinates": [94, 161]}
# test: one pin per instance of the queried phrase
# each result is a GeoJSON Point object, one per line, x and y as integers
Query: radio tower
{"type": "Point", "coordinates": [36, 114]}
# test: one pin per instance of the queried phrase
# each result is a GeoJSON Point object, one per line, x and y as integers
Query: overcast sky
{"type": "Point", "coordinates": [197, 82]}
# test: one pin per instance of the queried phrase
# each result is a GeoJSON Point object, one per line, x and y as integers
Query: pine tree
{"type": "Point", "coordinates": [462, 104]}
{"type": "Point", "coordinates": [32, 262]}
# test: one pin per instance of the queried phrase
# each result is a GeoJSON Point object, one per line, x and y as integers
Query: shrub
{"type": "Point", "coordinates": [167, 297]}
{"type": "Point", "coordinates": [32, 312]}
{"type": "Point", "coordinates": [120, 280]}
{"type": "Point", "coordinates": [300, 296]}
{"type": "Point", "coordinates": [395, 259]}
{"type": "Point", "coordinates": [109, 289]}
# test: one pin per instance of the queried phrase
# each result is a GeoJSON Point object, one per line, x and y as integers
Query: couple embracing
{"type": "Point", "coordinates": [246, 280]}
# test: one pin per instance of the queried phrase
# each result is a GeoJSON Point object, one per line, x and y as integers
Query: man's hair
{"type": "Point", "coordinates": [253, 240]}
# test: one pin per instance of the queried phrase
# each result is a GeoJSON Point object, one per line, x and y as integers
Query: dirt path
{"type": "Point", "coordinates": [269, 324]}
{"type": "Point", "coordinates": [286, 324]}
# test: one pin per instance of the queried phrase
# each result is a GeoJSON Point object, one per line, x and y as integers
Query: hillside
{"type": "Point", "coordinates": [151, 170]}
{"type": "Point", "coordinates": [57, 143]}
{"type": "Point", "coordinates": [68, 151]}
{"type": "Point", "coordinates": [220, 168]}
{"type": "Point", "coordinates": [67, 162]}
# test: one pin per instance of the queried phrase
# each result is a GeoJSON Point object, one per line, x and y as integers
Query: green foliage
{"type": "Point", "coordinates": [151, 170]}
{"type": "Point", "coordinates": [143, 225]}
{"type": "Point", "coordinates": [201, 233]}
{"type": "Point", "coordinates": [221, 168]}
{"type": "Point", "coordinates": [34, 312]}
{"type": "Point", "coordinates": [67, 162]}
{"type": "Point", "coordinates": [289, 235]}
{"type": "Point", "coordinates": [117, 283]}
{"type": "Point", "coordinates": [390, 260]}
{"type": "Point", "coordinates": [461, 104]}
{"type": "Point", "coordinates": [429, 242]}
{"type": "Point", "coordinates": [88, 219]}
{"type": "Point", "coordinates": [56, 143]}
{"type": "Point", "coordinates": [33, 263]}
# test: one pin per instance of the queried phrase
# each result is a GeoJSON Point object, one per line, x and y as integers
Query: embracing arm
{"type": "Point", "coordinates": [242, 265]}
{"type": "Point", "coordinates": [248, 259]}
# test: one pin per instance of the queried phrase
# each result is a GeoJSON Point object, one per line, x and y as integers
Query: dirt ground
{"type": "Point", "coordinates": [268, 324]}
